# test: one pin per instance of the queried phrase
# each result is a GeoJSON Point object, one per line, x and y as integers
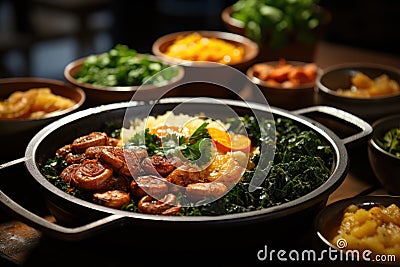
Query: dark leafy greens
{"type": "Point", "coordinates": [391, 141]}
{"type": "Point", "coordinates": [301, 164]}
{"type": "Point", "coordinates": [51, 171]}
{"type": "Point", "coordinates": [122, 66]}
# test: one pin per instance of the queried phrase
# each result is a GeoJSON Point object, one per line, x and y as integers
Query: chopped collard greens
{"type": "Point", "coordinates": [122, 66]}
{"type": "Point", "coordinates": [391, 141]}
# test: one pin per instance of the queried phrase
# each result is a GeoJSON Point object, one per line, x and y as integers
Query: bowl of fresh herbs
{"type": "Point", "coordinates": [116, 75]}
{"type": "Point", "coordinates": [283, 29]}
{"type": "Point", "coordinates": [384, 152]}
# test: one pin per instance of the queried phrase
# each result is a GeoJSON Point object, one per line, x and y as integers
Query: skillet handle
{"type": "Point", "coordinates": [365, 129]}
{"type": "Point", "coordinates": [11, 163]}
{"type": "Point", "coordinates": [53, 229]}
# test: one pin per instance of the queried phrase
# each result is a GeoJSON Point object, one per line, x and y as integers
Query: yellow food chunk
{"type": "Point", "coordinates": [365, 87]}
{"type": "Point", "coordinates": [368, 228]}
{"type": "Point", "coordinates": [362, 81]}
{"type": "Point", "coordinates": [47, 102]}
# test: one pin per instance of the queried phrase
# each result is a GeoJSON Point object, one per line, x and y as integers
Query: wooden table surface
{"type": "Point", "coordinates": [18, 242]}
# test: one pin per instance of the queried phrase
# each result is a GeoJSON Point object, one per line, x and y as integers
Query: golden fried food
{"type": "Point", "coordinates": [33, 104]}
{"type": "Point", "coordinates": [364, 86]}
{"type": "Point", "coordinates": [195, 47]}
{"type": "Point", "coordinates": [376, 229]}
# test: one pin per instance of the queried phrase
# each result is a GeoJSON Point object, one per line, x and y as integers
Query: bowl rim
{"type": "Point", "coordinates": [78, 63]}
{"type": "Point", "coordinates": [372, 142]}
{"type": "Point", "coordinates": [223, 35]}
{"type": "Point", "coordinates": [227, 18]}
{"type": "Point", "coordinates": [321, 87]}
{"type": "Point", "coordinates": [49, 81]}
{"type": "Point", "coordinates": [340, 205]}
{"type": "Point", "coordinates": [303, 87]}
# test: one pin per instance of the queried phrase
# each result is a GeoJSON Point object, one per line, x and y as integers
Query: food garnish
{"type": "Point", "coordinates": [227, 142]}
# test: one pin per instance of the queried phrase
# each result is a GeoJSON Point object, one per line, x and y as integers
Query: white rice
{"type": "Point", "coordinates": [170, 119]}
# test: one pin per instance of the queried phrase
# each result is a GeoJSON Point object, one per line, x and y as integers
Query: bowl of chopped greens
{"type": "Point", "coordinates": [284, 29]}
{"type": "Point", "coordinates": [117, 74]}
{"type": "Point", "coordinates": [384, 152]}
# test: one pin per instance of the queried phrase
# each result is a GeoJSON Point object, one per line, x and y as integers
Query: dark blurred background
{"type": "Point", "coordinates": [40, 37]}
